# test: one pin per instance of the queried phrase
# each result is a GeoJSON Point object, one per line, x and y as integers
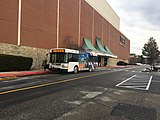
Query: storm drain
{"type": "Point", "coordinates": [134, 112]}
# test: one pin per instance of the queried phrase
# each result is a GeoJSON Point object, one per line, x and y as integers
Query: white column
{"type": "Point", "coordinates": [109, 37]}
{"type": "Point", "coordinates": [58, 23]}
{"type": "Point", "coordinates": [19, 22]}
{"type": "Point", "coordinates": [93, 26]}
{"type": "Point", "coordinates": [102, 32]}
{"type": "Point", "coordinates": [79, 24]}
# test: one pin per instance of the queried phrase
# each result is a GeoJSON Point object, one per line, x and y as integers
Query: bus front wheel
{"type": "Point", "coordinates": [75, 69]}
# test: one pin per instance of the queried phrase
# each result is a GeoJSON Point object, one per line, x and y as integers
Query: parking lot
{"type": "Point", "coordinates": [111, 94]}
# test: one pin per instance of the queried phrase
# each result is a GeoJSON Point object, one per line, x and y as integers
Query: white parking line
{"type": "Point", "coordinates": [133, 83]}
{"type": "Point", "coordinates": [144, 86]}
{"type": "Point", "coordinates": [137, 88]}
{"type": "Point", "coordinates": [140, 80]}
{"type": "Point", "coordinates": [149, 83]}
{"type": "Point", "coordinates": [136, 83]}
{"type": "Point", "coordinates": [126, 80]}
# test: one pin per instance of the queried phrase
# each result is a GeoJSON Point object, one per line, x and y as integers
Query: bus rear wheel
{"type": "Point", "coordinates": [75, 70]}
{"type": "Point", "coordinates": [90, 68]}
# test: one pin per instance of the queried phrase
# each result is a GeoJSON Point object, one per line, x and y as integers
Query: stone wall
{"type": "Point", "coordinates": [37, 54]}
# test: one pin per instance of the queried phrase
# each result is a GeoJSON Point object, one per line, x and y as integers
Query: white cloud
{"type": "Point", "coordinates": [139, 21]}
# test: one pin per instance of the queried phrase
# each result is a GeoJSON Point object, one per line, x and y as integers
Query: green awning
{"type": "Point", "coordinates": [108, 50]}
{"type": "Point", "coordinates": [104, 49]}
{"type": "Point", "coordinates": [99, 51]}
{"type": "Point", "coordinates": [99, 46]}
{"type": "Point", "coordinates": [88, 45]}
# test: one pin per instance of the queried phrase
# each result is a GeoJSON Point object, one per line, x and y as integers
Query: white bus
{"type": "Point", "coordinates": [71, 60]}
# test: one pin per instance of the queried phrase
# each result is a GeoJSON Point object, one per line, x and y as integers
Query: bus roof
{"type": "Point", "coordinates": [65, 50]}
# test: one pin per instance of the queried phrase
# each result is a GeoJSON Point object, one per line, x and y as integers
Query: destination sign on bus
{"type": "Point", "coordinates": [59, 50]}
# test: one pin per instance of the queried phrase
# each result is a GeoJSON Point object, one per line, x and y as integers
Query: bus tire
{"type": "Point", "coordinates": [75, 70]}
{"type": "Point", "coordinates": [90, 68]}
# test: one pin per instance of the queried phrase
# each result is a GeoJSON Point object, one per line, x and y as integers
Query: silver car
{"type": "Point", "coordinates": [156, 66]}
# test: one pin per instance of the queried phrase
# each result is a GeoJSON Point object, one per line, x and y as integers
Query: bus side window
{"type": "Point", "coordinates": [73, 57]}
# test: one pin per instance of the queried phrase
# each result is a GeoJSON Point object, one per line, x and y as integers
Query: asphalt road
{"type": "Point", "coordinates": [106, 94]}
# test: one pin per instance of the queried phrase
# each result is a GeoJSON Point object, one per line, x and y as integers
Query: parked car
{"type": "Point", "coordinates": [139, 64]}
{"type": "Point", "coordinates": [121, 63]}
{"type": "Point", "coordinates": [156, 66]}
{"type": "Point", "coordinates": [148, 69]}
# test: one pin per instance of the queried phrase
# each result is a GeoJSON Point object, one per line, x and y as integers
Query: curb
{"type": "Point", "coordinates": [114, 67]}
{"type": "Point", "coordinates": [7, 78]}
{"type": "Point", "coordinates": [12, 75]}
{"type": "Point", "coordinates": [30, 73]}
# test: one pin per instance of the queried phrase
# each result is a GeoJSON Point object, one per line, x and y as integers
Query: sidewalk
{"type": "Point", "coordinates": [127, 66]}
{"type": "Point", "coordinates": [14, 74]}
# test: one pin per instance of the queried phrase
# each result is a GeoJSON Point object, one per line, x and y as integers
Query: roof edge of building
{"type": "Point", "coordinates": [110, 15]}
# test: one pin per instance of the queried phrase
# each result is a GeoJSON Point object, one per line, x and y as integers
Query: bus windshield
{"type": "Point", "coordinates": [59, 58]}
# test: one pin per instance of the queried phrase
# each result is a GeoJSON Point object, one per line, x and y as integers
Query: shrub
{"type": "Point", "coordinates": [14, 63]}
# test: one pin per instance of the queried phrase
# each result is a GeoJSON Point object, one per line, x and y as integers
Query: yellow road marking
{"type": "Point", "coordinates": [53, 83]}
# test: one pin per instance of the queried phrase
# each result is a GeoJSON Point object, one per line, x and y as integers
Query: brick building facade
{"type": "Point", "coordinates": [30, 26]}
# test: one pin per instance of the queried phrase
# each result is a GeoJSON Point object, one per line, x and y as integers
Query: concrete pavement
{"type": "Point", "coordinates": [115, 104]}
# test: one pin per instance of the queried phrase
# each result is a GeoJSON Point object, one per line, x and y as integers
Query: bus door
{"type": "Point", "coordinates": [72, 61]}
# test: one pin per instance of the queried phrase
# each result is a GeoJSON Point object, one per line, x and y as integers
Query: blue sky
{"type": "Point", "coordinates": [139, 20]}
